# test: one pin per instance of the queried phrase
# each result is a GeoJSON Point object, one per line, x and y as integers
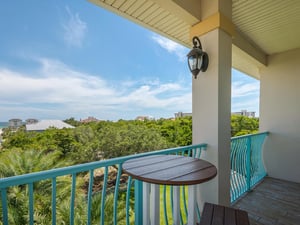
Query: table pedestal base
{"type": "Point", "coordinates": [151, 204]}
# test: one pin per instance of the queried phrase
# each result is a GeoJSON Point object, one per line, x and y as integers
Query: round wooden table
{"type": "Point", "coordinates": [170, 170]}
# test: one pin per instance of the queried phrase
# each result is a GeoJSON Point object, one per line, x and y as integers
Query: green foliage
{"type": "Point", "coordinates": [16, 139]}
{"type": "Point", "coordinates": [241, 125]}
{"type": "Point", "coordinates": [128, 138]}
{"type": "Point", "coordinates": [72, 122]}
{"type": "Point", "coordinates": [16, 162]}
{"type": "Point", "coordinates": [108, 209]}
{"type": "Point", "coordinates": [177, 132]}
{"type": "Point", "coordinates": [102, 140]}
{"type": "Point", "coordinates": [106, 139]}
{"type": "Point", "coordinates": [26, 152]}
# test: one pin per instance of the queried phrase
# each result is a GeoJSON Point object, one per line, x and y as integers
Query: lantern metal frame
{"type": "Point", "coordinates": [197, 56]}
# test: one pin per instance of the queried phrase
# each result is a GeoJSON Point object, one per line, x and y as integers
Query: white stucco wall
{"type": "Point", "coordinates": [280, 114]}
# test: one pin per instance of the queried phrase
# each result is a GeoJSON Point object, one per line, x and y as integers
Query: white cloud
{"type": "Point", "coordinates": [74, 29]}
{"type": "Point", "coordinates": [171, 46]}
{"type": "Point", "coordinates": [159, 97]}
{"type": "Point", "coordinates": [55, 90]}
{"type": "Point", "coordinates": [240, 89]}
{"type": "Point", "coordinates": [245, 95]}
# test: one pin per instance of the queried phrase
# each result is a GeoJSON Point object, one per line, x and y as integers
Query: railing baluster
{"type": "Point", "coordinates": [138, 202]}
{"type": "Point", "coordinates": [241, 155]}
{"type": "Point", "coordinates": [184, 200]}
{"type": "Point", "coordinates": [198, 153]}
{"type": "Point", "coordinates": [254, 169]}
{"type": "Point", "coordinates": [171, 200]}
{"type": "Point", "coordinates": [72, 203]}
{"type": "Point", "coordinates": [128, 199]}
{"type": "Point", "coordinates": [236, 167]}
{"type": "Point", "coordinates": [246, 163]}
{"type": "Point", "coordinates": [90, 194]}
{"type": "Point", "coordinates": [165, 204]}
{"type": "Point", "coordinates": [4, 206]}
{"type": "Point", "coordinates": [117, 194]}
{"type": "Point", "coordinates": [31, 213]}
{"type": "Point", "coordinates": [103, 197]}
{"type": "Point", "coordinates": [233, 171]}
{"type": "Point", "coordinates": [53, 200]}
{"type": "Point", "coordinates": [180, 216]}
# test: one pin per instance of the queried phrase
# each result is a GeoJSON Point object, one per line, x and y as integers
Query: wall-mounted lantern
{"type": "Point", "coordinates": [197, 58]}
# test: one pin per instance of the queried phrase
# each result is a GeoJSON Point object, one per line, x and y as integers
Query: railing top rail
{"type": "Point", "coordinates": [49, 174]}
{"type": "Point", "coordinates": [251, 135]}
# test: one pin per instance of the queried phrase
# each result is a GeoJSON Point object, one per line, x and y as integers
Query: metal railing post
{"type": "Point", "coordinates": [248, 163]}
{"type": "Point", "coordinates": [4, 206]}
{"type": "Point", "coordinates": [138, 202]}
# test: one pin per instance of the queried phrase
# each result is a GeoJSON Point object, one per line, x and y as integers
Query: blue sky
{"type": "Point", "coordinates": [66, 58]}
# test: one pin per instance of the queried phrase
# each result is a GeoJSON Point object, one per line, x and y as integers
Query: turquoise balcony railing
{"type": "Point", "coordinates": [246, 170]}
{"type": "Point", "coordinates": [247, 167]}
{"type": "Point", "coordinates": [110, 188]}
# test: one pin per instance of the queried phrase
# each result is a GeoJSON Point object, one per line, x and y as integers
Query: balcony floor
{"type": "Point", "coordinates": [272, 202]}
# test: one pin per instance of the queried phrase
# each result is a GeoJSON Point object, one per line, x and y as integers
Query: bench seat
{"type": "Point", "coordinates": [221, 215]}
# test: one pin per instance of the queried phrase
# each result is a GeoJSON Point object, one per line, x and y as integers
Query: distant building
{"type": "Point", "coordinates": [143, 118]}
{"type": "Point", "coordinates": [15, 123]}
{"type": "Point", "coordinates": [89, 119]}
{"type": "Point", "coordinates": [244, 113]}
{"type": "Point", "coordinates": [182, 114]}
{"type": "Point", "coordinates": [45, 124]}
{"type": "Point", "coordinates": [31, 121]}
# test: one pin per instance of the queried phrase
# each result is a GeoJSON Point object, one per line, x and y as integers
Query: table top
{"type": "Point", "coordinates": [170, 169]}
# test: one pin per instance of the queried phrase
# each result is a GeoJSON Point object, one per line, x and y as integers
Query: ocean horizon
{"type": "Point", "coordinates": [3, 124]}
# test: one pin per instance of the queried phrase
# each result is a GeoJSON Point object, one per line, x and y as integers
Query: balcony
{"type": "Point", "coordinates": [262, 47]}
{"type": "Point", "coordinates": [98, 192]}
{"type": "Point", "coordinates": [272, 201]}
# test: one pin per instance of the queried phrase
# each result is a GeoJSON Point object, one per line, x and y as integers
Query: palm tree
{"type": "Point", "coordinates": [108, 210]}
{"type": "Point", "coordinates": [17, 162]}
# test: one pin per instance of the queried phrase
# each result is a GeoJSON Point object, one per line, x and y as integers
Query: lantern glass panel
{"type": "Point", "coordinates": [193, 62]}
{"type": "Point", "coordinates": [199, 64]}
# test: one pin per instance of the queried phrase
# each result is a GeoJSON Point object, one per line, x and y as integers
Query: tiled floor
{"type": "Point", "coordinates": [272, 202]}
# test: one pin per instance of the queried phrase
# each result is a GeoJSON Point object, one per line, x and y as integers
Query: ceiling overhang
{"type": "Point", "coordinates": [259, 28]}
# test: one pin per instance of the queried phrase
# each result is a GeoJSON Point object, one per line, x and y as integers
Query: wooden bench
{"type": "Point", "coordinates": [221, 215]}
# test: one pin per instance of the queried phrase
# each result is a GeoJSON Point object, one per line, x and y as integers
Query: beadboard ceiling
{"type": "Point", "coordinates": [270, 26]}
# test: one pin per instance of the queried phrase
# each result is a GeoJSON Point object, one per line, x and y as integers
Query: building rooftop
{"type": "Point", "coordinates": [89, 119]}
{"type": "Point", "coordinates": [45, 124]}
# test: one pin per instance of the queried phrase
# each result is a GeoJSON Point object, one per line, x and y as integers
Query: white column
{"type": "Point", "coordinates": [212, 106]}
{"type": "Point", "coordinates": [211, 114]}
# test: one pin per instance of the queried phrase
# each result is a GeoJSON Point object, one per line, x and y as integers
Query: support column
{"type": "Point", "coordinates": [212, 104]}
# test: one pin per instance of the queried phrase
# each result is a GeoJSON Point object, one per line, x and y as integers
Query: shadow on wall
{"type": "Point", "coordinates": [281, 154]}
